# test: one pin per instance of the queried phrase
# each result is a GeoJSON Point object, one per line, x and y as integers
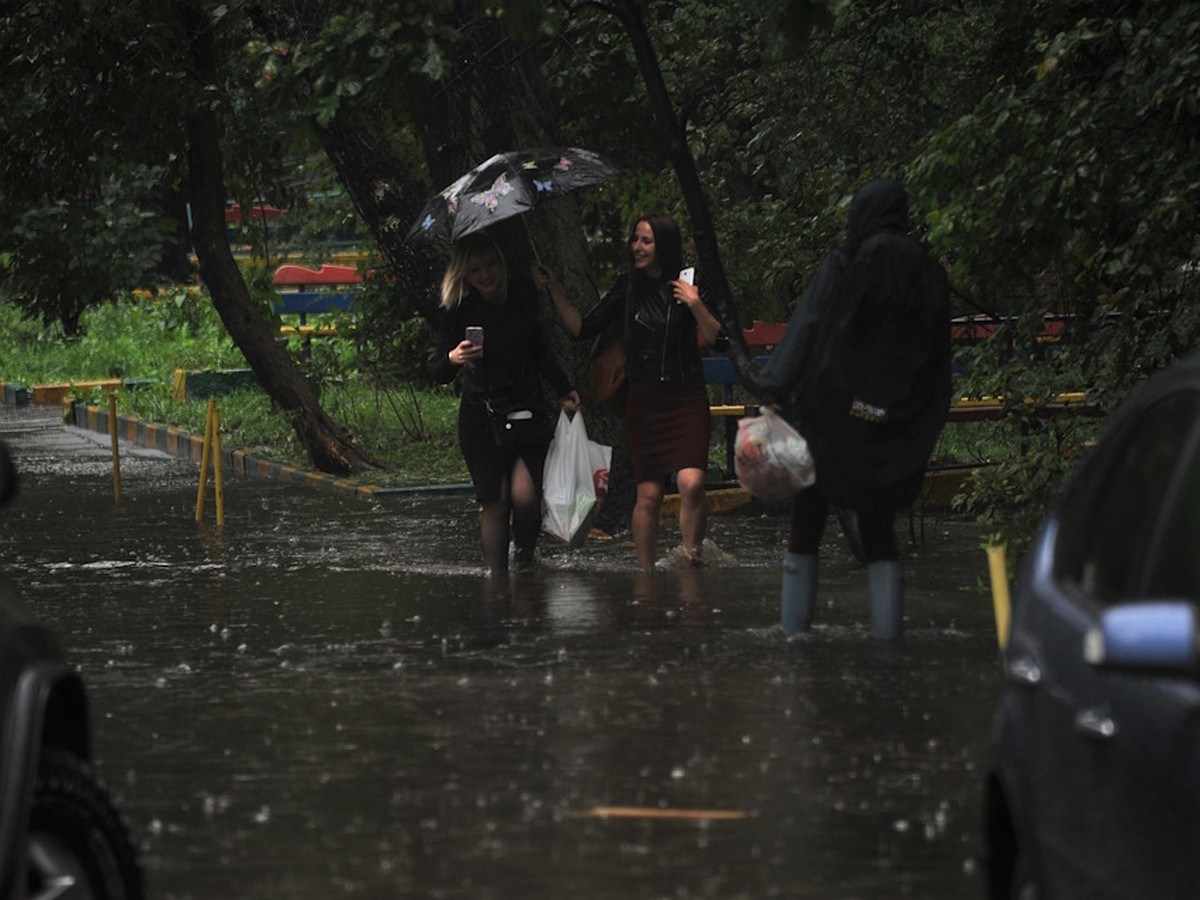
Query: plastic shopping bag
{"type": "Point", "coordinates": [771, 459]}
{"type": "Point", "coordinates": [575, 480]}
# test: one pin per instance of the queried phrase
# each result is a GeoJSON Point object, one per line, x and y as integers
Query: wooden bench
{"type": "Point", "coordinates": [970, 409]}
{"type": "Point", "coordinates": [304, 291]}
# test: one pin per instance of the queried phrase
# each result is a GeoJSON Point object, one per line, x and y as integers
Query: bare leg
{"type": "Point", "coordinates": [646, 512]}
{"type": "Point", "coordinates": [526, 512]}
{"type": "Point", "coordinates": [493, 531]}
{"type": "Point", "coordinates": [693, 511]}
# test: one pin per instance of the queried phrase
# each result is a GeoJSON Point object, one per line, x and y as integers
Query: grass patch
{"type": "Point", "coordinates": [412, 431]}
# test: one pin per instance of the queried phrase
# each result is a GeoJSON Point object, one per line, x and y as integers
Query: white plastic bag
{"type": "Point", "coordinates": [575, 480]}
{"type": "Point", "coordinates": [771, 459]}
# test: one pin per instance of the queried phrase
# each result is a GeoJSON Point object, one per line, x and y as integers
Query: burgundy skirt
{"type": "Point", "coordinates": [667, 427]}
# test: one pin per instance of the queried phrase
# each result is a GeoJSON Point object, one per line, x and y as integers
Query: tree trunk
{"type": "Point", "coordinates": [329, 448]}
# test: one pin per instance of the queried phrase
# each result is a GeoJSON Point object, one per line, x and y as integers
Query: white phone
{"type": "Point", "coordinates": [687, 275]}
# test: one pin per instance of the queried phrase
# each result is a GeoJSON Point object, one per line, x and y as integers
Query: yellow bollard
{"type": "Point", "coordinates": [211, 450]}
{"type": "Point", "coordinates": [204, 452]}
{"type": "Point", "coordinates": [1001, 602]}
{"type": "Point", "coordinates": [218, 492]}
{"type": "Point", "coordinates": [116, 452]}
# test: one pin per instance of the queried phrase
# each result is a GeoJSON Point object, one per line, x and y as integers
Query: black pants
{"type": "Point", "coordinates": [876, 524]}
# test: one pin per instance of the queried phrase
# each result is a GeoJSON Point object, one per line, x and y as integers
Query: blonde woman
{"type": "Point", "coordinates": [491, 338]}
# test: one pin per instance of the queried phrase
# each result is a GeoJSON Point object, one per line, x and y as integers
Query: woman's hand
{"type": "Point", "coordinates": [708, 328]}
{"type": "Point", "coordinates": [569, 401]}
{"type": "Point", "coordinates": [686, 293]}
{"type": "Point", "coordinates": [465, 352]}
{"type": "Point", "coordinates": [567, 314]}
{"type": "Point", "coordinates": [544, 278]}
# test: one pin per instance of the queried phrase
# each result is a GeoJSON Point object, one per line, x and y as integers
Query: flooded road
{"type": "Point", "coordinates": [326, 697]}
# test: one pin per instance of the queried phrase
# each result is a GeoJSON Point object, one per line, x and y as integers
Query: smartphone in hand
{"type": "Point", "coordinates": [688, 275]}
{"type": "Point", "coordinates": [475, 335]}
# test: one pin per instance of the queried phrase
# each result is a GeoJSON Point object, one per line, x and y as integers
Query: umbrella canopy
{"type": "Point", "coordinates": [507, 185]}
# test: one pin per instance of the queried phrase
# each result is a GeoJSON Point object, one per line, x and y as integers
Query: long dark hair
{"type": "Point", "coordinates": [668, 243]}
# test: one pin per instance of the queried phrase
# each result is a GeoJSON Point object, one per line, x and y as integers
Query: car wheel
{"type": "Point", "coordinates": [79, 844]}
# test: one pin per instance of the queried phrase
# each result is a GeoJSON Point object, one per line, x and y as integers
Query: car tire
{"type": "Point", "coordinates": [79, 843]}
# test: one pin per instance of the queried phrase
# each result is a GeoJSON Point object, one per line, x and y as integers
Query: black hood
{"type": "Point", "coordinates": [879, 205]}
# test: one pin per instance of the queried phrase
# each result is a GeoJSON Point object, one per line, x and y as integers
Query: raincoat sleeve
{"type": "Point", "coordinates": [607, 311]}
{"type": "Point", "coordinates": [786, 365]}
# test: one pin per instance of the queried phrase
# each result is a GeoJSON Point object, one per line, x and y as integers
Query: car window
{"type": "Point", "coordinates": [1175, 572]}
{"type": "Point", "coordinates": [1109, 515]}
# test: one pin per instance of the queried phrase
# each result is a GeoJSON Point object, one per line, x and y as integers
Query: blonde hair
{"type": "Point", "coordinates": [472, 250]}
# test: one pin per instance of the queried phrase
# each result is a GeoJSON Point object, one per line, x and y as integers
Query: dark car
{"type": "Point", "coordinates": [61, 836]}
{"type": "Point", "coordinates": [1093, 785]}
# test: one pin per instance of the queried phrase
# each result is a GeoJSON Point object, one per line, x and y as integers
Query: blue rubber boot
{"type": "Point", "coordinates": [885, 582]}
{"type": "Point", "coordinates": [799, 595]}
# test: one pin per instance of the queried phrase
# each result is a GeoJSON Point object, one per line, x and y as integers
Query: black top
{"type": "Point", "coordinates": [663, 339]}
{"type": "Point", "coordinates": [516, 355]}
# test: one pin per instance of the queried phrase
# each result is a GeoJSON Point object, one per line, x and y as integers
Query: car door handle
{"type": "Point", "coordinates": [1095, 723]}
{"type": "Point", "coordinates": [1023, 670]}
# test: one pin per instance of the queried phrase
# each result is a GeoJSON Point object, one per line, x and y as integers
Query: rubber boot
{"type": "Point", "coordinates": [799, 595]}
{"type": "Point", "coordinates": [885, 582]}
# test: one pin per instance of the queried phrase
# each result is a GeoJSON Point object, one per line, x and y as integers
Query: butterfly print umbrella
{"type": "Point", "coordinates": [507, 185]}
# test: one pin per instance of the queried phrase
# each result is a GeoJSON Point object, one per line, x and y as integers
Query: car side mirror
{"type": "Point", "coordinates": [1156, 635]}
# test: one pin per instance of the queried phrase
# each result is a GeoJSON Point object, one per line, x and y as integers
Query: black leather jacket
{"type": "Point", "coordinates": [662, 332]}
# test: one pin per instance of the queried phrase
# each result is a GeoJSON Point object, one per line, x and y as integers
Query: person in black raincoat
{"type": "Point", "coordinates": [863, 372]}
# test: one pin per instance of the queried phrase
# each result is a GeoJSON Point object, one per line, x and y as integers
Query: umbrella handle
{"type": "Point", "coordinates": [532, 243]}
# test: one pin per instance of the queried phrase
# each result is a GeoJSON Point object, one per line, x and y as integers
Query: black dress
{"type": "Point", "coordinates": [516, 362]}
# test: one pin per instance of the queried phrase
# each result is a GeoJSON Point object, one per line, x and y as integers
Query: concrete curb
{"type": "Point", "coordinates": [177, 442]}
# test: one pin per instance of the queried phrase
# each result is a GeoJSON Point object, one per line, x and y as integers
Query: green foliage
{"type": "Point", "coordinates": [83, 155]}
{"type": "Point", "coordinates": [64, 255]}
{"type": "Point", "coordinates": [782, 129]}
{"type": "Point", "coordinates": [142, 337]}
{"type": "Point", "coordinates": [1071, 188]}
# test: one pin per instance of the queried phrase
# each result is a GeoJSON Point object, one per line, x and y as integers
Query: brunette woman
{"type": "Point", "coordinates": [666, 414]}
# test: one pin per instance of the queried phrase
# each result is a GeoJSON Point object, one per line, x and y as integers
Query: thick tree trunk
{"type": "Point", "coordinates": [329, 448]}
